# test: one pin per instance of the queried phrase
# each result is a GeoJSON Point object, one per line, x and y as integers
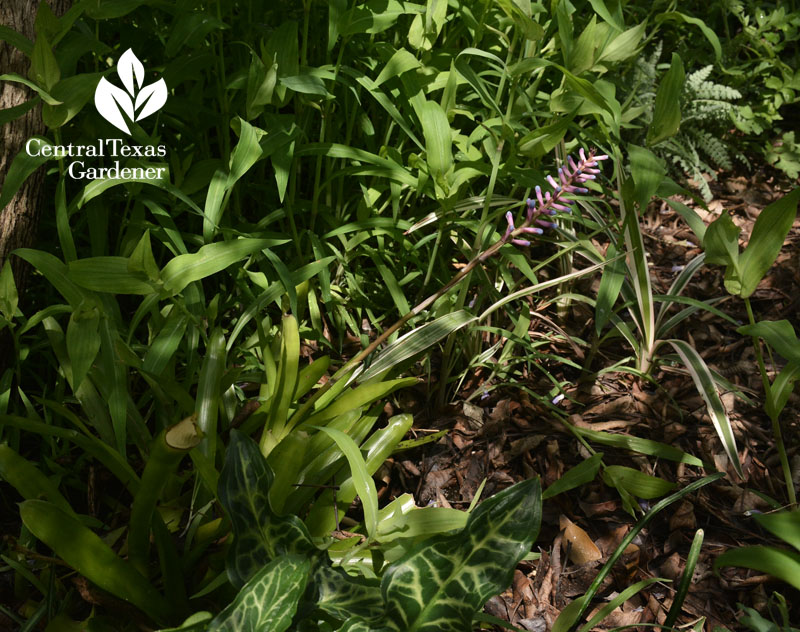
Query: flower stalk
{"type": "Point", "coordinates": [546, 204]}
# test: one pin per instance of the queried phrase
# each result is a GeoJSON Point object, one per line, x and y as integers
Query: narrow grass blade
{"type": "Point", "coordinates": [686, 579]}
{"type": "Point", "coordinates": [617, 601]}
{"type": "Point", "coordinates": [572, 613]}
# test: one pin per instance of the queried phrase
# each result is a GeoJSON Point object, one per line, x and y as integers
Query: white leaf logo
{"type": "Point", "coordinates": [137, 103]}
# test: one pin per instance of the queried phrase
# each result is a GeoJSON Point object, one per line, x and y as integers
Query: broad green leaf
{"type": "Point", "coordinates": [576, 476]}
{"type": "Point", "coordinates": [667, 109]}
{"type": "Point", "coordinates": [55, 271]}
{"type": "Point", "coordinates": [691, 217]}
{"type": "Point", "coordinates": [416, 341]}
{"type": "Point", "coordinates": [779, 334]}
{"type": "Point", "coordinates": [73, 93]}
{"type": "Point", "coordinates": [371, 164]}
{"type": "Point", "coordinates": [12, 114]}
{"type": "Point", "coordinates": [624, 46]}
{"type": "Point", "coordinates": [208, 260]}
{"type": "Point", "coordinates": [721, 243]}
{"type": "Point", "coordinates": [91, 557]}
{"type": "Point", "coordinates": [704, 382]}
{"type": "Point", "coordinates": [643, 446]}
{"type": "Point", "coordinates": [16, 39]}
{"type": "Point", "coordinates": [362, 480]}
{"type": "Point", "coordinates": [46, 97]}
{"type": "Point", "coordinates": [610, 286]}
{"type": "Point", "coordinates": [86, 441]}
{"type": "Point", "coordinates": [709, 34]}
{"type": "Point", "coordinates": [83, 342]}
{"type": "Point", "coordinates": [44, 68]}
{"type": "Point", "coordinates": [283, 394]}
{"type": "Point", "coordinates": [635, 482]}
{"type": "Point", "coordinates": [439, 586]}
{"type": "Point", "coordinates": [785, 565]}
{"type": "Point", "coordinates": [354, 399]}
{"type": "Point", "coordinates": [244, 155]}
{"type": "Point", "coordinates": [29, 481]}
{"type": "Point", "coordinates": [142, 260]}
{"type": "Point", "coordinates": [109, 274]}
{"type": "Point", "coordinates": [9, 298]}
{"type": "Point", "coordinates": [269, 600]}
{"type": "Point", "coordinates": [375, 16]}
{"type": "Point", "coordinates": [647, 171]}
{"type": "Point", "coordinates": [23, 165]}
{"type": "Point", "coordinates": [401, 61]}
{"type": "Point", "coordinates": [208, 392]}
{"type": "Point", "coordinates": [781, 389]}
{"type": "Point", "coordinates": [376, 449]}
{"type": "Point", "coordinates": [784, 524]}
{"type": "Point", "coordinates": [165, 343]}
{"type": "Point", "coordinates": [766, 240]}
{"type": "Point", "coordinates": [259, 535]}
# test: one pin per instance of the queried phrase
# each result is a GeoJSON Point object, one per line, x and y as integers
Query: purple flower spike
{"type": "Point", "coordinates": [546, 224]}
{"type": "Point", "coordinates": [572, 164]}
{"type": "Point", "coordinates": [520, 242]}
{"type": "Point", "coordinates": [552, 212]}
{"type": "Point", "coordinates": [510, 220]}
{"type": "Point", "coordinates": [582, 154]}
{"type": "Point", "coordinates": [562, 176]}
{"type": "Point", "coordinates": [553, 183]}
{"type": "Point", "coordinates": [539, 195]}
{"type": "Point", "coordinates": [532, 230]}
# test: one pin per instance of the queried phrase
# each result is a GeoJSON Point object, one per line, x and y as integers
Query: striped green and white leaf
{"type": "Point", "coordinates": [704, 382]}
{"type": "Point", "coordinates": [439, 586]}
{"type": "Point", "coordinates": [416, 341]}
{"type": "Point", "coordinates": [269, 600]}
{"type": "Point", "coordinates": [260, 536]}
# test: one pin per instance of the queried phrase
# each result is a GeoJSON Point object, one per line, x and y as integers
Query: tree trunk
{"type": "Point", "coordinates": [19, 220]}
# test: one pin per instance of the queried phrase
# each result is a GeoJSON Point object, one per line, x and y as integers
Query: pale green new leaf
{"type": "Point", "coordinates": [362, 480]}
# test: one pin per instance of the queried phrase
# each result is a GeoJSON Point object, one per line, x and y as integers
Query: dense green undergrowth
{"type": "Point", "coordinates": [321, 170]}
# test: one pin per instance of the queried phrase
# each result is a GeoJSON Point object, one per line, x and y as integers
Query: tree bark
{"type": "Point", "coordinates": [19, 220]}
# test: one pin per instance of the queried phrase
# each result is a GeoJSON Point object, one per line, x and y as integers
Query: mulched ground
{"type": "Point", "coordinates": [509, 436]}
